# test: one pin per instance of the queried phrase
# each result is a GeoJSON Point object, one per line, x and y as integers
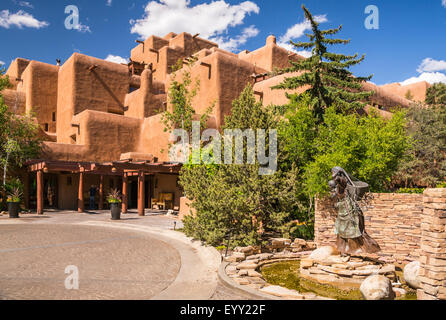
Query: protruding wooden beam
{"type": "Point", "coordinates": [157, 54]}
{"type": "Point", "coordinates": [91, 68]}
{"type": "Point", "coordinates": [259, 93]}
{"type": "Point", "coordinates": [207, 65]}
{"type": "Point", "coordinates": [196, 35]}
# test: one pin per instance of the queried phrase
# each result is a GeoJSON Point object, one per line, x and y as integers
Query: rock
{"type": "Point", "coordinates": [411, 272]}
{"type": "Point", "coordinates": [389, 268]}
{"type": "Point", "coordinates": [243, 273]}
{"type": "Point", "coordinates": [323, 253]}
{"type": "Point", "coordinates": [306, 263]}
{"type": "Point", "coordinates": [311, 245]}
{"type": "Point", "coordinates": [300, 242]}
{"type": "Point", "coordinates": [377, 287]}
{"type": "Point", "coordinates": [235, 257]}
{"type": "Point", "coordinates": [4, 213]}
{"type": "Point", "coordinates": [282, 292]}
{"type": "Point", "coordinates": [231, 270]}
{"type": "Point", "coordinates": [253, 273]}
{"type": "Point", "coordinates": [241, 281]}
{"type": "Point", "coordinates": [399, 292]}
{"type": "Point", "coordinates": [265, 256]}
{"type": "Point", "coordinates": [247, 265]}
{"type": "Point", "coordinates": [280, 242]}
{"type": "Point", "coordinates": [244, 249]}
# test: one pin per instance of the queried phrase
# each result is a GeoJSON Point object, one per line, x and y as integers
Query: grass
{"type": "Point", "coordinates": [287, 274]}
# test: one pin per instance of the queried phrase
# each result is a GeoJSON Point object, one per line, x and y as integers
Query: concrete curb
{"type": "Point", "coordinates": [242, 289]}
{"type": "Point", "coordinates": [197, 278]}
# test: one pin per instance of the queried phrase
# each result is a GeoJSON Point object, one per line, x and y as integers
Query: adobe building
{"type": "Point", "coordinates": [101, 121]}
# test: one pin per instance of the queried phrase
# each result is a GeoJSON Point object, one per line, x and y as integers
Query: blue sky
{"type": "Point", "coordinates": [409, 45]}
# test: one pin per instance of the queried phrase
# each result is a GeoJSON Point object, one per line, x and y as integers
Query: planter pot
{"type": "Point", "coordinates": [13, 208]}
{"type": "Point", "coordinates": [115, 209]}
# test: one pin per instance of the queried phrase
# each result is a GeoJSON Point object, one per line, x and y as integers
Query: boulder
{"type": "Point", "coordinates": [411, 272]}
{"type": "Point", "coordinates": [323, 253]}
{"type": "Point", "coordinates": [377, 287]}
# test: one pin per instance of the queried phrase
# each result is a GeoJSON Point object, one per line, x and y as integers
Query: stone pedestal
{"type": "Point", "coordinates": [433, 246]}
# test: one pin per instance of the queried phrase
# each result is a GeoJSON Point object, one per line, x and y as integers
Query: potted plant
{"type": "Point", "coordinates": [114, 199]}
{"type": "Point", "coordinates": [13, 200]}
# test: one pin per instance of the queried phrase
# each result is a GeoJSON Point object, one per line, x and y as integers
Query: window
{"type": "Point", "coordinates": [46, 127]}
{"type": "Point", "coordinates": [54, 117]}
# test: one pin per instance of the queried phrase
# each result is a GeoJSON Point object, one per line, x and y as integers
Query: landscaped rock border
{"type": "Point", "coordinates": [241, 269]}
{"type": "Point", "coordinates": [243, 266]}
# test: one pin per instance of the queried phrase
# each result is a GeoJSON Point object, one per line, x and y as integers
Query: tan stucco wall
{"type": "Point", "coordinates": [40, 84]}
{"type": "Point", "coordinates": [418, 90]}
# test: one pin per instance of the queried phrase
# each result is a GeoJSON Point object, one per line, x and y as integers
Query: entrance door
{"type": "Point", "coordinates": [133, 198]}
{"type": "Point", "coordinates": [50, 191]}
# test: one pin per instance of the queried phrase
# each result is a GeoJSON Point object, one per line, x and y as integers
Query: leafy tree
{"type": "Point", "coordinates": [370, 148]}
{"type": "Point", "coordinates": [326, 73]}
{"type": "Point", "coordinates": [235, 198]}
{"type": "Point", "coordinates": [425, 162]}
{"type": "Point", "coordinates": [19, 140]}
{"type": "Point", "coordinates": [181, 95]}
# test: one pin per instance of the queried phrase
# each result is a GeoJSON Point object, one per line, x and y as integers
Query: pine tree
{"type": "Point", "coordinates": [332, 84]}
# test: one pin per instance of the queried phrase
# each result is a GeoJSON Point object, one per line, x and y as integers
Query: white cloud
{"type": "Point", "coordinates": [443, 3]}
{"type": "Point", "coordinates": [430, 77]}
{"type": "Point", "coordinates": [297, 31]}
{"type": "Point", "coordinates": [24, 4]}
{"type": "Point", "coordinates": [109, 3]}
{"type": "Point", "coordinates": [116, 59]}
{"type": "Point", "coordinates": [431, 65]}
{"type": "Point", "coordinates": [212, 20]}
{"type": "Point", "coordinates": [2, 63]}
{"type": "Point", "coordinates": [82, 28]}
{"type": "Point", "coordinates": [20, 19]}
{"type": "Point", "coordinates": [231, 44]}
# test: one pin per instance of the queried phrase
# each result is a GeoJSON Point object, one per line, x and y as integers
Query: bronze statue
{"type": "Point", "coordinates": [349, 227]}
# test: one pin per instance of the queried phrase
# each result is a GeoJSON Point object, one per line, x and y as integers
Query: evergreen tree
{"type": "Point", "coordinates": [436, 95]}
{"type": "Point", "coordinates": [327, 74]}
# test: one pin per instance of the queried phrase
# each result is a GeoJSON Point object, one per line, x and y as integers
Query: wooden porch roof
{"type": "Point", "coordinates": [105, 168]}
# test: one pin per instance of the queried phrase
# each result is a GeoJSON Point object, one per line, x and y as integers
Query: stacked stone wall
{"type": "Point", "coordinates": [408, 227]}
{"type": "Point", "coordinates": [393, 220]}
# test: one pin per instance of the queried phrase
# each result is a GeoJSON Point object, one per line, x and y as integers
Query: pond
{"type": "Point", "coordinates": [287, 274]}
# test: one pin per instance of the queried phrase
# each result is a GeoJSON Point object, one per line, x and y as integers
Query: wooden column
{"type": "Point", "coordinates": [101, 193]}
{"type": "Point", "coordinates": [125, 197]}
{"type": "Point", "coordinates": [80, 198]}
{"type": "Point", "coordinates": [141, 194]}
{"type": "Point", "coordinates": [40, 192]}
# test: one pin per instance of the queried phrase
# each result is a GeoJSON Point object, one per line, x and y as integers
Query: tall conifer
{"type": "Point", "coordinates": [327, 74]}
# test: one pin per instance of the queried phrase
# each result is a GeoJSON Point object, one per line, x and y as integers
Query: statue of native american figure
{"type": "Point", "coordinates": [349, 227]}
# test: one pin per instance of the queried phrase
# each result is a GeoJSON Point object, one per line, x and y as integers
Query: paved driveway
{"type": "Point", "coordinates": [112, 263]}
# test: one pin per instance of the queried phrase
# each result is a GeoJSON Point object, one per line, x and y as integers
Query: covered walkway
{"type": "Point", "coordinates": [125, 169]}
